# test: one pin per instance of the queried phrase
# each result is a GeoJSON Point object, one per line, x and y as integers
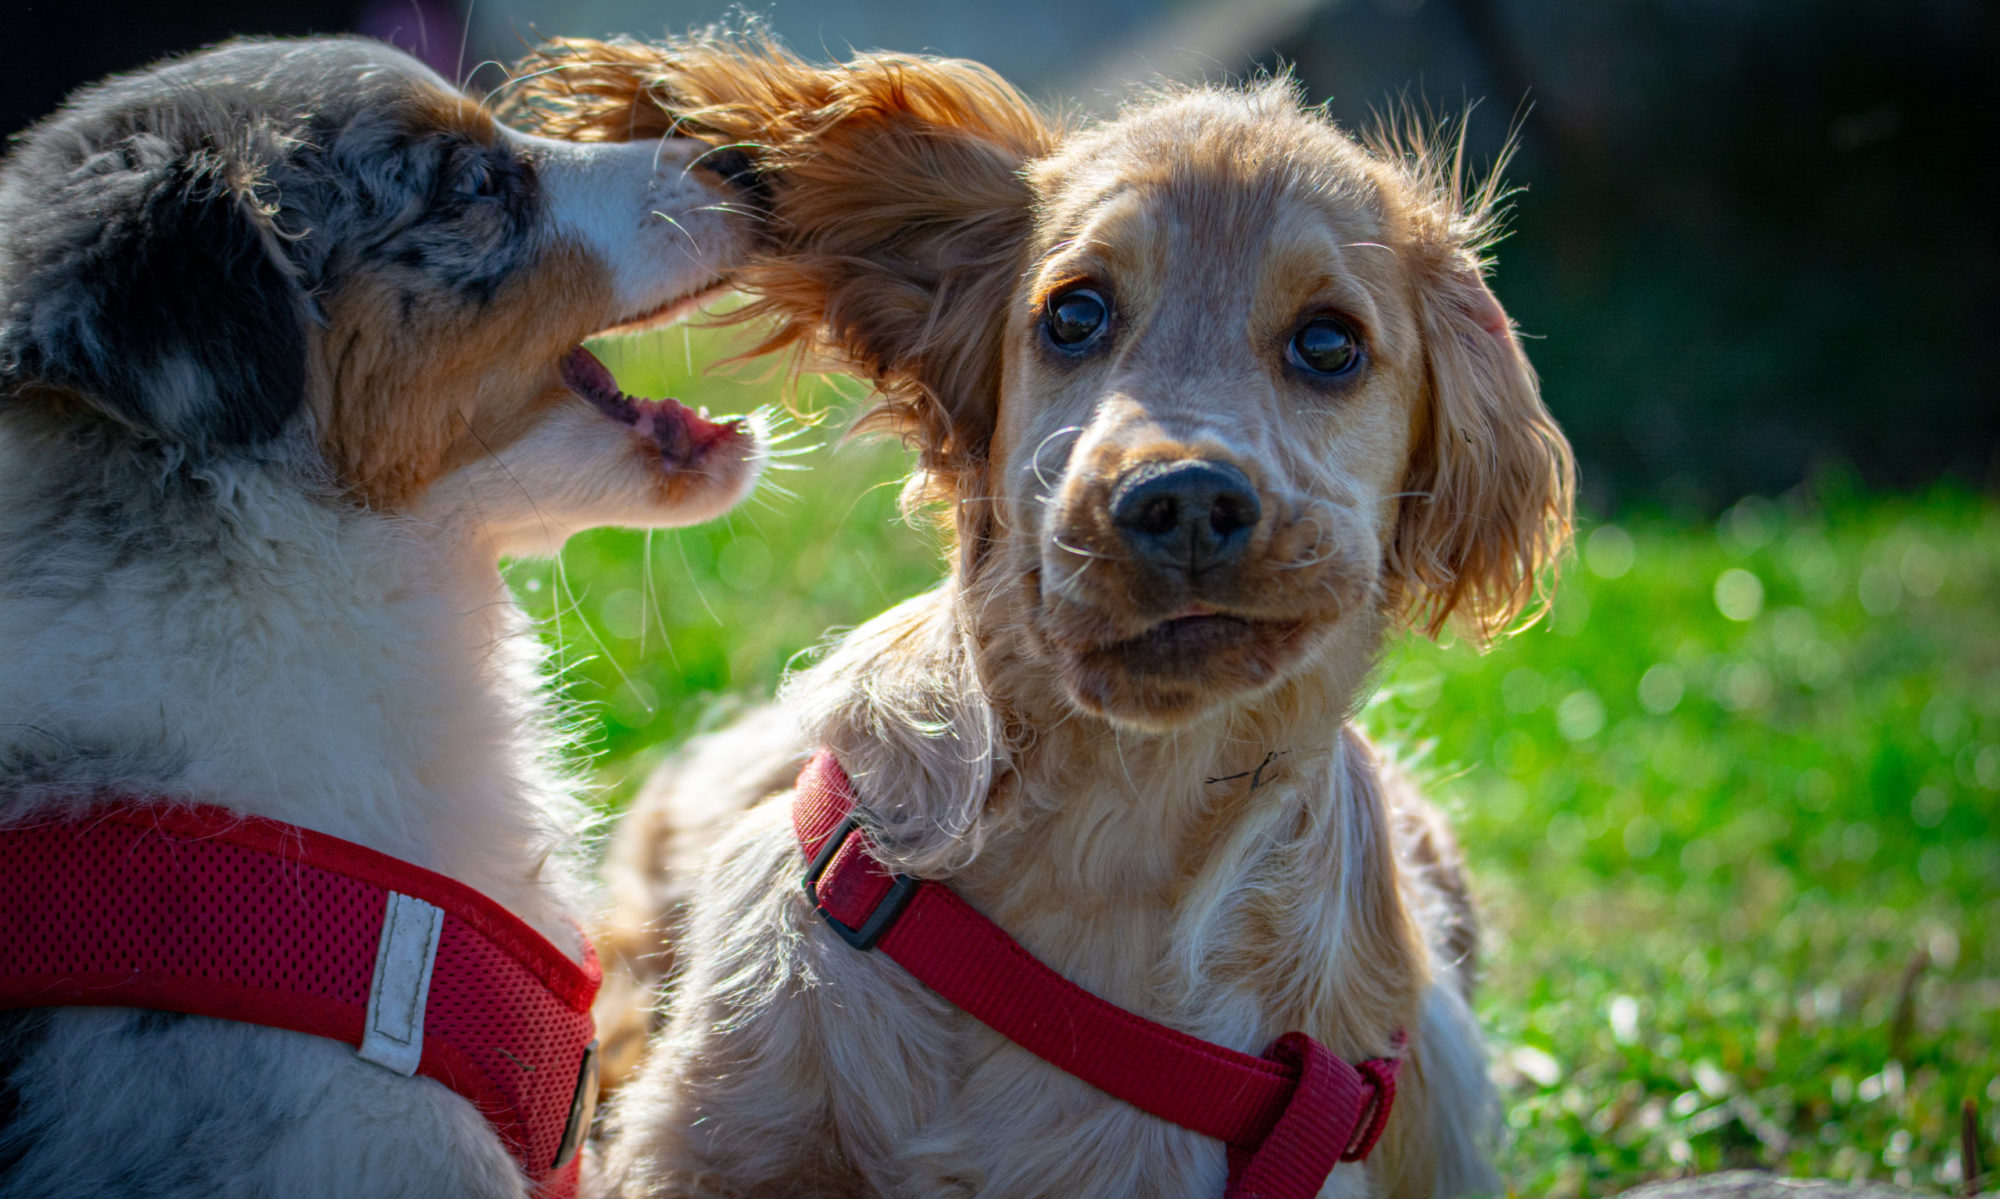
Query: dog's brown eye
{"type": "Point", "coordinates": [1076, 318]}
{"type": "Point", "coordinates": [1324, 346]}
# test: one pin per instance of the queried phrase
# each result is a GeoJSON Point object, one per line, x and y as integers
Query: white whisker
{"type": "Point", "coordinates": [680, 543]}
{"type": "Point", "coordinates": [665, 638]}
{"type": "Point", "coordinates": [1035, 459]}
{"type": "Point", "coordinates": [1066, 588]}
{"type": "Point", "coordinates": [1079, 551]}
{"type": "Point", "coordinates": [514, 80]}
{"type": "Point", "coordinates": [677, 225]}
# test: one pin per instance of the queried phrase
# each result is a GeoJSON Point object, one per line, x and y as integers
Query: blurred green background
{"type": "Point", "coordinates": [1752, 243]}
{"type": "Point", "coordinates": [1735, 809]}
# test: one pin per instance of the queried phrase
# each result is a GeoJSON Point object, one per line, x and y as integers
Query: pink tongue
{"type": "Point", "coordinates": [678, 430]}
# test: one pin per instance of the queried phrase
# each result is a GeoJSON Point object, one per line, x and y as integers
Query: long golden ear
{"type": "Point", "coordinates": [1491, 478]}
{"type": "Point", "coordinates": [898, 216]}
{"type": "Point", "coordinates": [1491, 483]}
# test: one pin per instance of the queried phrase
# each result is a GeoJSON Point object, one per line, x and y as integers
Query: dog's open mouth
{"type": "Point", "coordinates": [684, 435]}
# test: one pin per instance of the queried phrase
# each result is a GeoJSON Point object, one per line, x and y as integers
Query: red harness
{"type": "Point", "coordinates": [205, 911]}
{"type": "Point", "coordinates": [1287, 1117]}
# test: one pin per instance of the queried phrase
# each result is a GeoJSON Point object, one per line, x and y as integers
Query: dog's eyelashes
{"type": "Point", "coordinates": [1077, 318]}
{"type": "Point", "coordinates": [1324, 345]}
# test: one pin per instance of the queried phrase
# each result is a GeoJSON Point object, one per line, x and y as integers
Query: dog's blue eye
{"type": "Point", "coordinates": [1077, 317]}
{"type": "Point", "coordinates": [1324, 346]}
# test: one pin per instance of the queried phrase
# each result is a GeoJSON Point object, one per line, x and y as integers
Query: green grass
{"type": "Point", "coordinates": [1743, 864]}
{"type": "Point", "coordinates": [1734, 808]}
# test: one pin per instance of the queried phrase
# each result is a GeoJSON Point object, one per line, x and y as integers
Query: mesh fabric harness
{"type": "Point", "coordinates": [1287, 1117]}
{"type": "Point", "coordinates": [206, 911]}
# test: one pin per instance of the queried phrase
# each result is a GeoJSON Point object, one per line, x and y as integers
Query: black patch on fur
{"type": "Point", "coordinates": [20, 1033]}
{"type": "Point", "coordinates": [148, 1022]}
{"type": "Point", "coordinates": [166, 238]}
{"type": "Point", "coordinates": [147, 284]}
{"type": "Point", "coordinates": [468, 243]}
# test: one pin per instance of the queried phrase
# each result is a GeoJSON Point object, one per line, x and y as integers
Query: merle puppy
{"type": "Point", "coordinates": [289, 357]}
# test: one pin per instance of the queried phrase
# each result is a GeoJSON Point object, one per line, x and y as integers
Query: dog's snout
{"type": "Point", "coordinates": [1192, 514]}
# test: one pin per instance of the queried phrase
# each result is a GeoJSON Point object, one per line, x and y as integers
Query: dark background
{"type": "Point", "coordinates": [1755, 244]}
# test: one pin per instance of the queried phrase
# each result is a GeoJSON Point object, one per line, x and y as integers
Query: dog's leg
{"type": "Point", "coordinates": [734, 1098]}
{"type": "Point", "coordinates": [1461, 1108]}
{"type": "Point", "coordinates": [655, 862]}
{"type": "Point", "coordinates": [1451, 1109]}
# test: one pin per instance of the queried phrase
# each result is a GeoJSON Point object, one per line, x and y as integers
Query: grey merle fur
{"type": "Point", "coordinates": [168, 233]}
{"type": "Point", "coordinates": [165, 239]}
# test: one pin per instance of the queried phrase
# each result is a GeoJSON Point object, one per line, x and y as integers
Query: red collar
{"type": "Point", "coordinates": [206, 911]}
{"type": "Point", "coordinates": [1288, 1117]}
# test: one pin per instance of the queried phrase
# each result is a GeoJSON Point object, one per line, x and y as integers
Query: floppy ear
{"type": "Point", "coordinates": [898, 217]}
{"type": "Point", "coordinates": [145, 281]}
{"type": "Point", "coordinates": [1491, 474]}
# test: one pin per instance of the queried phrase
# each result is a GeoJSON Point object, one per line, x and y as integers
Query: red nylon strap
{"type": "Point", "coordinates": [205, 911]}
{"type": "Point", "coordinates": [1287, 1116]}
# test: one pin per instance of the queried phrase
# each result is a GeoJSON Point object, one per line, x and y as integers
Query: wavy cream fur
{"type": "Point", "coordinates": [1179, 817]}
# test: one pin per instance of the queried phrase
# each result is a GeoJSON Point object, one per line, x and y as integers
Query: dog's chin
{"type": "Point", "coordinates": [1180, 669]}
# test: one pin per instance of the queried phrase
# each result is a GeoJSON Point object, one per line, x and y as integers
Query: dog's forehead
{"type": "Point", "coordinates": [1253, 145]}
{"type": "Point", "coordinates": [1220, 175]}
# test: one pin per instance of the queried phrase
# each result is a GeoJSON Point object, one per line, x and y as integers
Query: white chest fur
{"type": "Point", "coordinates": [246, 645]}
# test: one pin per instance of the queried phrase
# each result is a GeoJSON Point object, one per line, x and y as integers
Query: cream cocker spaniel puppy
{"type": "Point", "coordinates": [1217, 399]}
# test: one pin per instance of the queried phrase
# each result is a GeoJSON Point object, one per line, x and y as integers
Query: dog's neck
{"type": "Point", "coordinates": [234, 635]}
{"type": "Point", "coordinates": [931, 702]}
{"type": "Point", "coordinates": [1112, 852]}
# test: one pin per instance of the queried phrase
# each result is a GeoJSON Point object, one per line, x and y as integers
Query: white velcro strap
{"type": "Point", "coordinates": [394, 1036]}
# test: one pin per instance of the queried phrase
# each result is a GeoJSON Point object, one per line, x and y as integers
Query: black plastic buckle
{"type": "Point", "coordinates": [887, 910]}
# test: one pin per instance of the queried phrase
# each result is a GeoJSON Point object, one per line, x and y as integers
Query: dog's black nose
{"type": "Point", "coordinates": [1190, 515]}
